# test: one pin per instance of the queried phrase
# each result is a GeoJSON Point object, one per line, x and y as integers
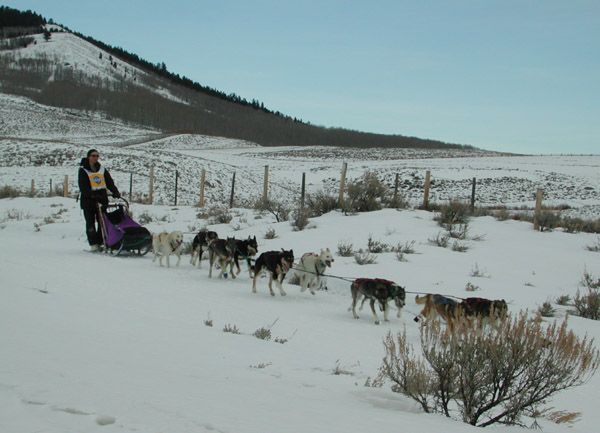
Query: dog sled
{"type": "Point", "coordinates": [120, 232]}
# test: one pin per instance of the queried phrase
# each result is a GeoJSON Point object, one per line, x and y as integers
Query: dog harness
{"type": "Point", "coordinates": [97, 181]}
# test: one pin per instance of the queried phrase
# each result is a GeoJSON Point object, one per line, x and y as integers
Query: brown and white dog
{"type": "Point", "coordinates": [277, 264]}
{"type": "Point", "coordinates": [438, 306]}
{"type": "Point", "coordinates": [484, 310]}
{"type": "Point", "coordinates": [164, 244]}
{"type": "Point", "coordinates": [311, 268]}
{"type": "Point", "coordinates": [380, 290]}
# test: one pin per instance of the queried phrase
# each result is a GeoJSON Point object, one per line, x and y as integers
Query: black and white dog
{"type": "Point", "coordinates": [245, 249]}
{"type": "Point", "coordinates": [377, 289]}
{"type": "Point", "coordinates": [277, 264]}
{"type": "Point", "coordinates": [222, 250]}
{"type": "Point", "coordinates": [200, 244]}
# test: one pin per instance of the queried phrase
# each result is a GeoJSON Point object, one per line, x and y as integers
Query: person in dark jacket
{"type": "Point", "coordinates": [94, 181]}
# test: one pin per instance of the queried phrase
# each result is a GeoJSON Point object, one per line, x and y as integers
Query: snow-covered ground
{"type": "Point", "coordinates": [46, 143]}
{"type": "Point", "coordinates": [92, 342]}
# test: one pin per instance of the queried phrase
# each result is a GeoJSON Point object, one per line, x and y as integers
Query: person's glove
{"type": "Point", "coordinates": [116, 195]}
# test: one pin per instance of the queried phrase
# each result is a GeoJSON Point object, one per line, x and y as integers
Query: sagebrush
{"type": "Point", "coordinates": [483, 378]}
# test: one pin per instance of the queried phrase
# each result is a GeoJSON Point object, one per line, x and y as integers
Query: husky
{"type": "Point", "coordinates": [376, 289]}
{"type": "Point", "coordinates": [200, 244]}
{"type": "Point", "coordinates": [311, 268]}
{"type": "Point", "coordinates": [164, 244]}
{"type": "Point", "coordinates": [245, 249]}
{"type": "Point", "coordinates": [479, 309]}
{"type": "Point", "coordinates": [486, 309]}
{"type": "Point", "coordinates": [438, 305]}
{"type": "Point", "coordinates": [277, 264]}
{"type": "Point", "coordinates": [222, 250]}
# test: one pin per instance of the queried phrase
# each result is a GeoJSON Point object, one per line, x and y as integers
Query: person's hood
{"type": "Point", "coordinates": [85, 163]}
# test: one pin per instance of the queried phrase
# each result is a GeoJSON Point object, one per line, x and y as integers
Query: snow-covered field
{"type": "Point", "coordinates": [44, 143]}
{"type": "Point", "coordinates": [92, 342]}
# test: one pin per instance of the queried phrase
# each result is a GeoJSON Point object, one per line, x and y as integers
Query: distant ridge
{"type": "Point", "coordinates": [69, 69]}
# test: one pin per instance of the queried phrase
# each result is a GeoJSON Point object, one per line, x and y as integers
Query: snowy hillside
{"type": "Point", "coordinates": [115, 344]}
{"type": "Point", "coordinates": [46, 143]}
{"type": "Point", "coordinates": [70, 52]}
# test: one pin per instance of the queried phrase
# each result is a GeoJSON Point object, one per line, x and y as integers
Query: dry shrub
{"type": "Point", "coordinates": [548, 221]}
{"type": "Point", "coordinates": [233, 329]}
{"type": "Point", "coordinates": [278, 209]}
{"type": "Point", "coordinates": [588, 305]}
{"type": "Point", "coordinates": [594, 247]}
{"type": "Point", "coordinates": [461, 248]}
{"type": "Point", "coordinates": [364, 257]}
{"type": "Point", "coordinates": [216, 215]}
{"type": "Point", "coordinates": [271, 233]}
{"type": "Point", "coordinates": [563, 300]}
{"type": "Point", "coordinates": [546, 309]}
{"type": "Point", "coordinates": [321, 203]}
{"type": "Point", "coordinates": [345, 249]}
{"type": "Point", "coordinates": [8, 191]}
{"type": "Point", "coordinates": [366, 193]}
{"type": "Point", "coordinates": [377, 247]}
{"type": "Point", "coordinates": [495, 375]}
{"type": "Point", "coordinates": [455, 212]}
{"type": "Point", "coordinates": [300, 220]}
{"type": "Point", "coordinates": [405, 248]}
{"type": "Point", "coordinates": [441, 240]}
{"type": "Point", "coordinates": [263, 333]}
{"type": "Point", "coordinates": [562, 417]}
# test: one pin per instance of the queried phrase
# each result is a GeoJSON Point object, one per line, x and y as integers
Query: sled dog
{"type": "Point", "coordinates": [311, 268]}
{"type": "Point", "coordinates": [245, 249]}
{"type": "Point", "coordinates": [223, 251]}
{"type": "Point", "coordinates": [200, 244]}
{"type": "Point", "coordinates": [380, 290]}
{"type": "Point", "coordinates": [165, 244]}
{"type": "Point", "coordinates": [277, 264]}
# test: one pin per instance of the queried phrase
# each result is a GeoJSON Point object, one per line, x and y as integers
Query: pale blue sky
{"type": "Point", "coordinates": [519, 76]}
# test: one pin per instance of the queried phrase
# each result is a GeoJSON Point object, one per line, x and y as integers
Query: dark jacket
{"type": "Point", "coordinates": [88, 197]}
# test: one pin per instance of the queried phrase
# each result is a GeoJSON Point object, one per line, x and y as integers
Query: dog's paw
{"type": "Point", "coordinates": [312, 292]}
{"type": "Point", "coordinates": [377, 322]}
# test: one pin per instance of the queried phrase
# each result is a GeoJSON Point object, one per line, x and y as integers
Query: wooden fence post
{"type": "Point", "coordinates": [426, 191]}
{"type": "Point", "coordinates": [473, 195]}
{"type": "Point", "coordinates": [66, 186]}
{"type": "Point", "coordinates": [176, 182]}
{"type": "Point", "coordinates": [151, 186]}
{"type": "Point", "coordinates": [343, 184]}
{"type": "Point", "coordinates": [538, 208]}
{"type": "Point", "coordinates": [50, 192]}
{"type": "Point", "coordinates": [202, 180]}
{"type": "Point", "coordinates": [32, 187]}
{"type": "Point", "coordinates": [303, 191]}
{"type": "Point", "coordinates": [265, 197]}
{"type": "Point", "coordinates": [232, 190]}
{"type": "Point", "coordinates": [396, 188]}
{"type": "Point", "coordinates": [130, 186]}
